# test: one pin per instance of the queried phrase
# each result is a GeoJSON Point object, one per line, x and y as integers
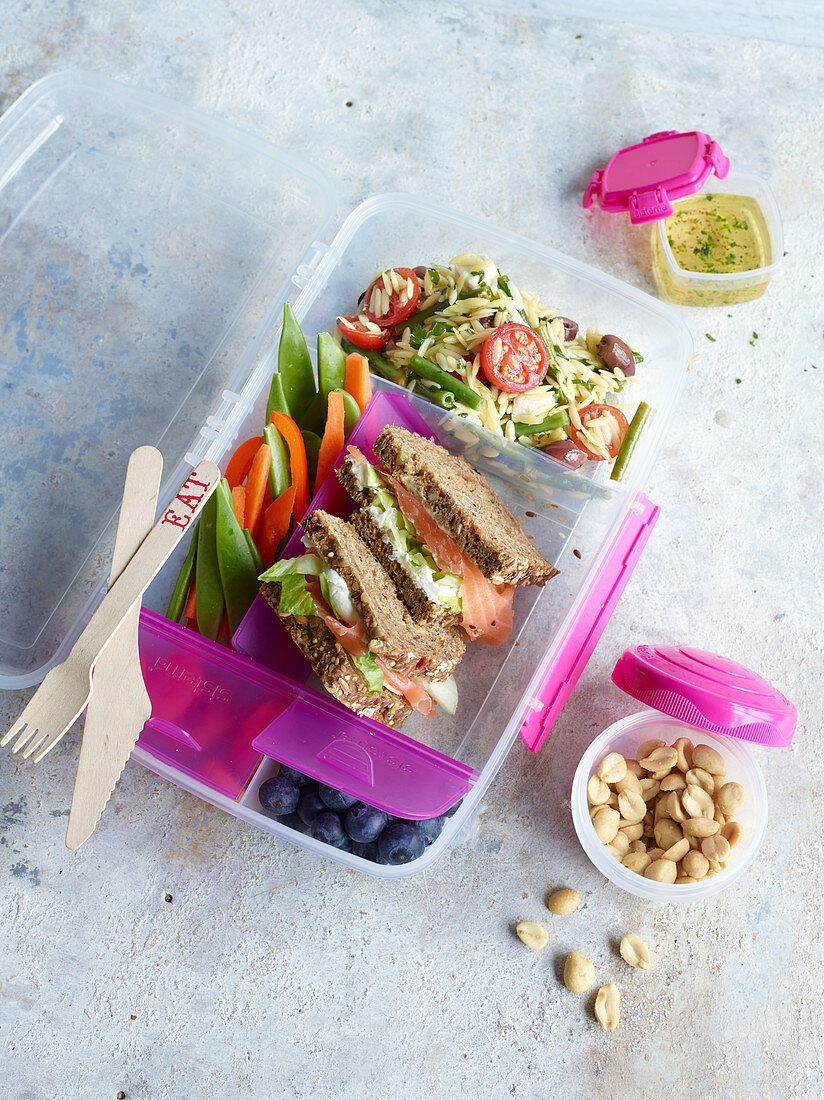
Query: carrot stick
{"type": "Point", "coordinates": [239, 504]}
{"type": "Point", "coordinates": [275, 525]}
{"type": "Point", "coordinates": [297, 460]}
{"type": "Point", "coordinates": [241, 461]}
{"type": "Point", "coordinates": [333, 436]}
{"type": "Point", "coordinates": [357, 379]}
{"type": "Point", "coordinates": [256, 485]}
{"type": "Point", "coordinates": [189, 611]}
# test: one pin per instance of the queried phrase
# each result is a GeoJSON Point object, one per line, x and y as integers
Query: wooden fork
{"type": "Point", "coordinates": [61, 697]}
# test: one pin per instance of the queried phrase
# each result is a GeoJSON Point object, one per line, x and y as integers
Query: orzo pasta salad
{"type": "Point", "coordinates": [463, 336]}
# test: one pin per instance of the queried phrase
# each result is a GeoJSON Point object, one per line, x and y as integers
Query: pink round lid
{"type": "Point", "coordinates": [645, 178]}
{"type": "Point", "coordinates": [707, 691]}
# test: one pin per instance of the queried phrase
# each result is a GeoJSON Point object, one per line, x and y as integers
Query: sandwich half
{"type": "Point", "coordinates": [450, 544]}
{"type": "Point", "coordinates": [343, 612]}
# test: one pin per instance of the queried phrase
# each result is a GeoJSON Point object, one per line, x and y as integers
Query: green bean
{"type": "Point", "coordinates": [424, 369]}
{"type": "Point", "coordinates": [634, 431]}
{"type": "Point", "coordinates": [377, 363]}
{"type": "Point", "coordinates": [209, 601]}
{"type": "Point", "coordinates": [331, 365]}
{"type": "Point", "coordinates": [237, 568]}
{"type": "Point", "coordinates": [444, 398]}
{"type": "Point", "coordinates": [294, 366]}
{"type": "Point", "coordinates": [555, 420]}
{"type": "Point", "coordinates": [279, 472]}
{"type": "Point", "coordinates": [184, 581]}
{"type": "Point", "coordinates": [425, 314]}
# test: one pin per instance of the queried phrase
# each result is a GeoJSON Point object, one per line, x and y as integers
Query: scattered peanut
{"type": "Point", "coordinates": [532, 934]}
{"type": "Point", "coordinates": [608, 1006]}
{"type": "Point", "coordinates": [668, 815]}
{"type": "Point", "coordinates": [579, 973]}
{"type": "Point", "coordinates": [634, 951]}
{"type": "Point", "coordinates": [563, 902]}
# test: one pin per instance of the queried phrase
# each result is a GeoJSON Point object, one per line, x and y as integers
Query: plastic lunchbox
{"type": "Point", "coordinates": [146, 252]}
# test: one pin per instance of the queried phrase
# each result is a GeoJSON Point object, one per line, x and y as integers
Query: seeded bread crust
{"type": "Point", "coordinates": [418, 604]}
{"type": "Point", "coordinates": [334, 669]}
{"type": "Point", "coordinates": [465, 505]}
{"type": "Point", "coordinates": [411, 648]}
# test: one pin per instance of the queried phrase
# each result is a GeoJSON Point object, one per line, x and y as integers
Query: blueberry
{"type": "Point", "coordinates": [328, 828]}
{"type": "Point", "coordinates": [278, 795]}
{"type": "Point", "coordinates": [294, 775]}
{"type": "Point", "coordinates": [431, 829]}
{"type": "Point", "coordinates": [336, 800]}
{"type": "Point", "coordinates": [400, 843]}
{"type": "Point", "coordinates": [367, 851]}
{"type": "Point", "coordinates": [292, 821]}
{"type": "Point", "coordinates": [310, 805]}
{"type": "Point", "coordinates": [364, 823]}
{"type": "Point", "coordinates": [452, 809]}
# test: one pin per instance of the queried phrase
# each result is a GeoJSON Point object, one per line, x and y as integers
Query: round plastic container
{"type": "Point", "coordinates": [697, 288]}
{"type": "Point", "coordinates": [624, 737]}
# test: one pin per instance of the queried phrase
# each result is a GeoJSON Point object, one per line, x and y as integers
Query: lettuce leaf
{"type": "Point", "coordinates": [370, 671]}
{"type": "Point", "coordinates": [294, 599]}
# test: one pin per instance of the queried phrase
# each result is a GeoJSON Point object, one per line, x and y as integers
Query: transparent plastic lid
{"type": "Point", "coordinates": [144, 256]}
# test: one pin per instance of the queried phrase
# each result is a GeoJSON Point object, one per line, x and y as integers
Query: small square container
{"type": "Point", "coordinates": [712, 701]}
{"type": "Point", "coordinates": [147, 253]}
{"type": "Point", "coordinates": [732, 222]}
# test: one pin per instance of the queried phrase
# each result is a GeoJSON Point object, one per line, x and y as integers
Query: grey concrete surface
{"type": "Point", "coordinates": [271, 974]}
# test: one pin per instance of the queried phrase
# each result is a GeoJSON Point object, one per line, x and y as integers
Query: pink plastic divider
{"type": "Point", "coordinates": [586, 625]}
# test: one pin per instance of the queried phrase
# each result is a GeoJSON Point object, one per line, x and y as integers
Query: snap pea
{"type": "Point", "coordinates": [238, 569]}
{"type": "Point", "coordinates": [277, 398]}
{"type": "Point", "coordinates": [311, 441]}
{"type": "Point", "coordinates": [279, 475]}
{"type": "Point", "coordinates": [253, 550]}
{"type": "Point", "coordinates": [424, 369]}
{"type": "Point", "coordinates": [555, 420]}
{"type": "Point", "coordinates": [314, 416]}
{"type": "Point", "coordinates": [444, 398]}
{"type": "Point", "coordinates": [634, 431]}
{"type": "Point", "coordinates": [377, 363]}
{"type": "Point", "coordinates": [294, 366]}
{"type": "Point", "coordinates": [184, 581]}
{"type": "Point", "coordinates": [209, 601]}
{"type": "Point", "coordinates": [351, 412]}
{"type": "Point", "coordinates": [331, 365]}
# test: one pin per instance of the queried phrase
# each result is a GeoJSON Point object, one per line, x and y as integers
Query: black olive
{"type": "Point", "coordinates": [420, 272]}
{"type": "Point", "coordinates": [570, 329]}
{"type": "Point", "coordinates": [615, 353]}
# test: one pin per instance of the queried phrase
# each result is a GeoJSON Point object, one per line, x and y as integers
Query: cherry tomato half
{"type": "Point", "coordinates": [611, 432]}
{"type": "Point", "coordinates": [567, 452]}
{"type": "Point", "coordinates": [358, 334]}
{"type": "Point", "coordinates": [388, 307]}
{"type": "Point", "coordinates": [514, 358]}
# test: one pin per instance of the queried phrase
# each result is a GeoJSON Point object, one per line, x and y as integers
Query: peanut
{"type": "Point", "coordinates": [608, 1006]}
{"type": "Point", "coordinates": [731, 832]}
{"type": "Point", "coordinates": [633, 832]}
{"type": "Point", "coordinates": [707, 758]}
{"type": "Point", "coordinates": [620, 844]}
{"type": "Point", "coordinates": [697, 802]}
{"type": "Point", "coordinates": [683, 746]}
{"type": "Point", "coordinates": [632, 806]}
{"type": "Point", "coordinates": [645, 748]}
{"type": "Point", "coordinates": [630, 782]}
{"type": "Point", "coordinates": [532, 934]}
{"type": "Point", "coordinates": [579, 973]}
{"type": "Point", "coordinates": [606, 823]}
{"type": "Point", "coordinates": [661, 759]}
{"type": "Point", "coordinates": [597, 791]}
{"type": "Point", "coordinates": [695, 864]}
{"type": "Point", "coordinates": [673, 782]}
{"type": "Point", "coordinates": [563, 902]}
{"type": "Point", "coordinates": [612, 768]}
{"type": "Point", "coordinates": [730, 798]}
{"type": "Point", "coordinates": [700, 826]}
{"type": "Point", "coordinates": [661, 870]}
{"type": "Point", "coordinates": [717, 848]}
{"type": "Point", "coordinates": [678, 850]}
{"type": "Point", "coordinates": [636, 861]}
{"type": "Point", "coordinates": [668, 833]}
{"type": "Point", "coordinates": [634, 951]}
{"type": "Point", "coordinates": [700, 778]}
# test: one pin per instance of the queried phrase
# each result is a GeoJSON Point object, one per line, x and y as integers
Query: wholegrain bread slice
{"type": "Point", "coordinates": [414, 649]}
{"type": "Point", "coordinates": [465, 505]}
{"type": "Point", "coordinates": [420, 606]}
{"type": "Point", "coordinates": [336, 672]}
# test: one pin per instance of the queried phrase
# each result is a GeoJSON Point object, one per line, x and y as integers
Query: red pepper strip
{"type": "Point", "coordinates": [275, 525]}
{"type": "Point", "coordinates": [241, 461]}
{"type": "Point", "coordinates": [333, 436]}
{"type": "Point", "coordinates": [189, 611]}
{"type": "Point", "coordinates": [256, 485]}
{"type": "Point", "coordinates": [297, 460]}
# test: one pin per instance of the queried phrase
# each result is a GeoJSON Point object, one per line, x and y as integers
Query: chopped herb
{"type": "Point", "coordinates": [784, 253]}
{"type": "Point", "coordinates": [738, 381]}
{"type": "Point", "coordinates": [755, 336]}
{"type": "Point", "coordinates": [729, 315]}
{"type": "Point", "coordinates": [503, 284]}
{"type": "Point", "coordinates": [709, 337]}
{"type": "Point", "coordinates": [417, 336]}
{"type": "Point", "coordinates": [637, 357]}
{"type": "Point", "coordinates": [709, 197]}
{"type": "Point", "coordinates": [434, 276]}
{"type": "Point", "coordinates": [577, 36]}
